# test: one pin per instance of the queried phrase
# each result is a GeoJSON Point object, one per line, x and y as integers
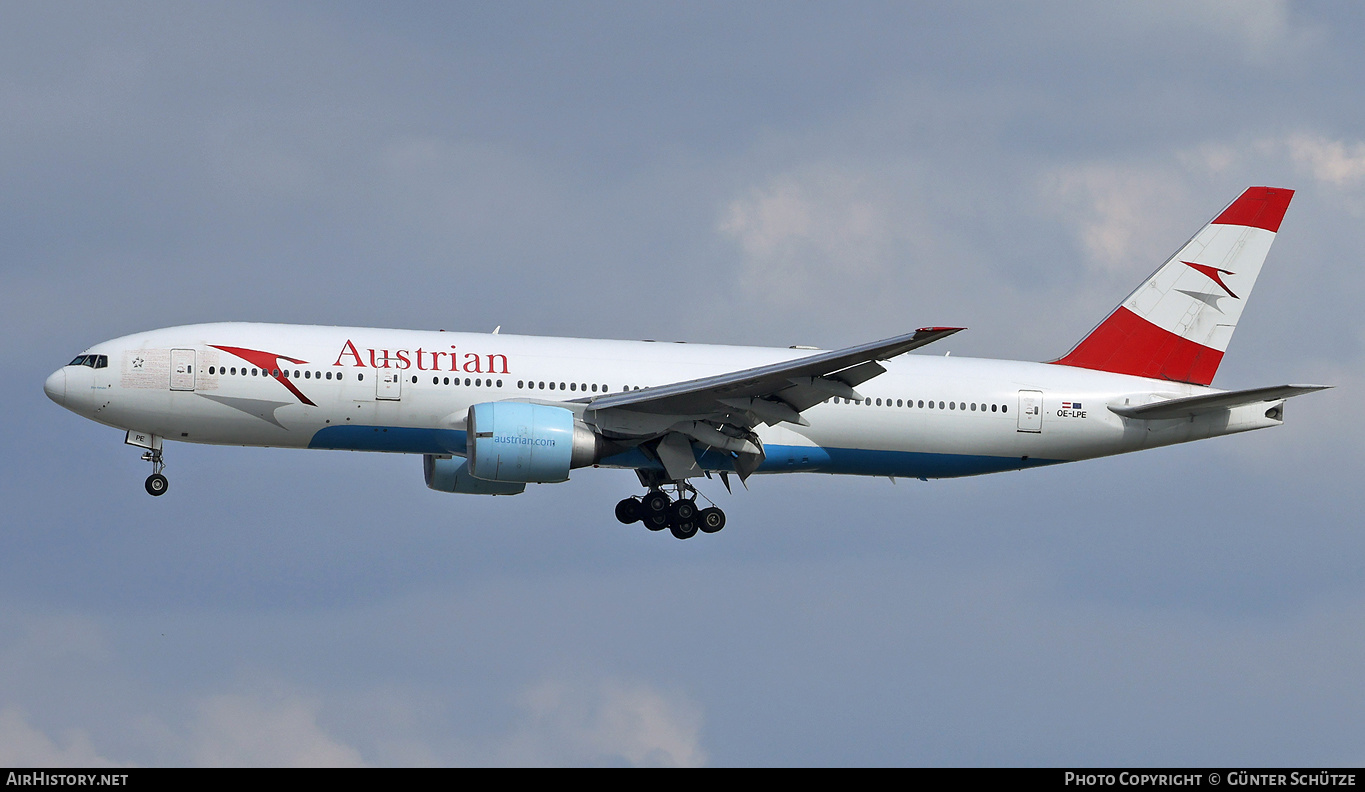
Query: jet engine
{"type": "Point", "coordinates": [445, 474]}
{"type": "Point", "coordinates": [528, 443]}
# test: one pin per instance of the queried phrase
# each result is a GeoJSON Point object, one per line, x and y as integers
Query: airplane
{"type": "Point", "coordinates": [490, 412]}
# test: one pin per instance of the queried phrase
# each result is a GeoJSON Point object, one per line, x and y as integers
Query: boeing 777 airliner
{"type": "Point", "coordinates": [491, 413]}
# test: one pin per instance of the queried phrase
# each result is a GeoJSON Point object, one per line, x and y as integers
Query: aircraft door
{"type": "Point", "coordinates": [1030, 411]}
{"type": "Point", "coordinates": [388, 385]}
{"type": "Point", "coordinates": [182, 369]}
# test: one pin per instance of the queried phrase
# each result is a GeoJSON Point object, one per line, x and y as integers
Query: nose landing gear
{"type": "Point", "coordinates": [681, 517]}
{"type": "Point", "coordinates": [156, 483]}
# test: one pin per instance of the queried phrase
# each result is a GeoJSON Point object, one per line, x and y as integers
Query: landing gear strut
{"type": "Point", "coordinates": [680, 516]}
{"type": "Point", "coordinates": [156, 483]}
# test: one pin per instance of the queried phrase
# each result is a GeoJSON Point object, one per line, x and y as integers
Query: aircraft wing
{"type": "Point", "coordinates": [787, 387]}
{"type": "Point", "coordinates": [721, 411]}
{"type": "Point", "coordinates": [1211, 402]}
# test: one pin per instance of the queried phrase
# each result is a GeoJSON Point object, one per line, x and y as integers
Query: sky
{"type": "Point", "coordinates": [753, 173]}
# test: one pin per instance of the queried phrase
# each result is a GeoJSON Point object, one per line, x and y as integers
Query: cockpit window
{"type": "Point", "coordinates": [93, 361]}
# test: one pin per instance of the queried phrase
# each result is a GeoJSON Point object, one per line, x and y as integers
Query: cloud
{"type": "Point", "coordinates": [1333, 162]}
{"type": "Point", "coordinates": [23, 745]}
{"type": "Point", "coordinates": [235, 730]}
{"type": "Point", "coordinates": [606, 722]}
{"type": "Point", "coordinates": [1112, 208]}
{"type": "Point", "coordinates": [799, 231]}
{"type": "Point", "coordinates": [1122, 212]}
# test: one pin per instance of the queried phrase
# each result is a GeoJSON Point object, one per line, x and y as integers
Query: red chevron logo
{"type": "Point", "coordinates": [1214, 274]}
{"type": "Point", "coordinates": [269, 362]}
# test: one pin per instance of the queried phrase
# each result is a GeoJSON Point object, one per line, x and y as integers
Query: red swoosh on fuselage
{"type": "Point", "coordinates": [268, 362]}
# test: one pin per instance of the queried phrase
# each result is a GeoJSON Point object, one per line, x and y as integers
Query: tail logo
{"type": "Point", "coordinates": [1214, 274]}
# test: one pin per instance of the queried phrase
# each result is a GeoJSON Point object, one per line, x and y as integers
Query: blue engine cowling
{"type": "Point", "coordinates": [530, 443]}
{"type": "Point", "coordinates": [445, 474]}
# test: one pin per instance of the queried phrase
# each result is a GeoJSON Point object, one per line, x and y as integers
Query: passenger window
{"type": "Point", "coordinates": [360, 377]}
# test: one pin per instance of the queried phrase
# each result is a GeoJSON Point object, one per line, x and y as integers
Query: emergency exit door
{"type": "Point", "coordinates": [182, 369]}
{"type": "Point", "coordinates": [388, 385]}
{"type": "Point", "coordinates": [1030, 411]}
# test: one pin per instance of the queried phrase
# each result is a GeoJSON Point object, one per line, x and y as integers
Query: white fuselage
{"type": "Point", "coordinates": [409, 392]}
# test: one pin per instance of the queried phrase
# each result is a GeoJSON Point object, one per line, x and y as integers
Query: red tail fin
{"type": "Point", "coordinates": [1177, 324]}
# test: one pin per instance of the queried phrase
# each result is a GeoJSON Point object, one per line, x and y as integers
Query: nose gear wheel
{"type": "Point", "coordinates": [156, 484]}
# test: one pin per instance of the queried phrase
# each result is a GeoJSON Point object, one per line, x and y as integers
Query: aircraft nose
{"type": "Point", "coordinates": [55, 387]}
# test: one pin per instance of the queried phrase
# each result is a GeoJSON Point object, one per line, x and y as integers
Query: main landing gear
{"type": "Point", "coordinates": [681, 516]}
{"type": "Point", "coordinates": [156, 483]}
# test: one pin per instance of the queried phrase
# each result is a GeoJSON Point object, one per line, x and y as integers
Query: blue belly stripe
{"type": "Point", "coordinates": [395, 439]}
{"type": "Point", "coordinates": [851, 462]}
{"type": "Point", "coordinates": [780, 458]}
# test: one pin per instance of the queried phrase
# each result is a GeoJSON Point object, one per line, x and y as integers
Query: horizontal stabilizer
{"type": "Point", "coordinates": [1211, 402]}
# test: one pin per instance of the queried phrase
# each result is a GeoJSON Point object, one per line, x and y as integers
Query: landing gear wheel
{"type": "Point", "coordinates": [711, 519]}
{"type": "Point", "coordinates": [157, 484]}
{"type": "Point", "coordinates": [683, 530]}
{"type": "Point", "coordinates": [683, 518]}
{"type": "Point", "coordinates": [628, 511]}
{"type": "Point", "coordinates": [654, 510]}
{"type": "Point", "coordinates": [656, 502]}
